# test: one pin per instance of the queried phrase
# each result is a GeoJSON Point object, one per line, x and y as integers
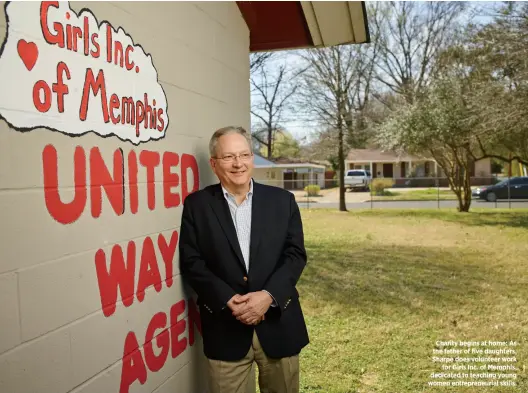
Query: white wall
{"type": "Point", "coordinates": [269, 176]}
{"type": "Point", "coordinates": [55, 337]}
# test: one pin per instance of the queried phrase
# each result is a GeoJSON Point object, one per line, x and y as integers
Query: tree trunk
{"type": "Point", "coordinates": [466, 191]}
{"type": "Point", "coordinates": [341, 158]}
{"type": "Point", "coordinates": [459, 183]}
{"type": "Point", "coordinates": [270, 135]}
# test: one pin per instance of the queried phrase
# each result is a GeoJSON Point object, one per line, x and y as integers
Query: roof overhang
{"type": "Point", "coordinates": [290, 166]}
{"type": "Point", "coordinates": [281, 25]}
{"type": "Point", "coordinates": [307, 166]}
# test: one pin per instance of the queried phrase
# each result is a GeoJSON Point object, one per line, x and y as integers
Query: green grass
{"type": "Point", "coordinates": [381, 287]}
{"type": "Point", "coordinates": [431, 194]}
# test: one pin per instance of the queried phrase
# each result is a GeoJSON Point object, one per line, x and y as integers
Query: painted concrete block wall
{"type": "Point", "coordinates": [65, 325]}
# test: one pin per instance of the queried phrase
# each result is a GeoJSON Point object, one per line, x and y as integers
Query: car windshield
{"type": "Point", "coordinates": [502, 183]}
{"type": "Point", "coordinates": [356, 173]}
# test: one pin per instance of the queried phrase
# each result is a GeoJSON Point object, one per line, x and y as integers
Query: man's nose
{"type": "Point", "coordinates": [237, 162]}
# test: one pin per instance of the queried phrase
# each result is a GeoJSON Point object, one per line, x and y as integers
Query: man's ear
{"type": "Point", "coordinates": [212, 162]}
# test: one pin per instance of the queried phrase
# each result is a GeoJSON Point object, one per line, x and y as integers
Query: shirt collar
{"type": "Point", "coordinates": [250, 192]}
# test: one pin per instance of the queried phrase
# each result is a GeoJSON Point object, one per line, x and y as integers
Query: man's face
{"type": "Point", "coordinates": [234, 162]}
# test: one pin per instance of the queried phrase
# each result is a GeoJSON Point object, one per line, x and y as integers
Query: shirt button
{"type": "Point", "coordinates": [245, 278]}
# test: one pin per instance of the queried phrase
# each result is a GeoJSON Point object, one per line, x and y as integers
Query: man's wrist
{"type": "Point", "coordinates": [273, 301]}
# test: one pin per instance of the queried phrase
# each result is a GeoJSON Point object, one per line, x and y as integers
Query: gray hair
{"type": "Point", "coordinates": [228, 130]}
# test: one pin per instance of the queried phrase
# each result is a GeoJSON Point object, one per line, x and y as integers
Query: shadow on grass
{"type": "Point", "coordinates": [370, 278]}
{"type": "Point", "coordinates": [510, 218]}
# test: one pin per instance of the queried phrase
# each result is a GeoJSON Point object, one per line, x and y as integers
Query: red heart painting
{"type": "Point", "coordinates": [28, 52]}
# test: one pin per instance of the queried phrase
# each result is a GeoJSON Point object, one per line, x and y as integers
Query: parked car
{"type": "Point", "coordinates": [357, 179]}
{"type": "Point", "coordinates": [518, 190]}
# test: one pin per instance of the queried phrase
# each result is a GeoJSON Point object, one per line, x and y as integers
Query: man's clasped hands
{"type": "Point", "coordinates": [250, 308]}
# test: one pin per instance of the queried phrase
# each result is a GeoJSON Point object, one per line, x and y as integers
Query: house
{"type": "Point", "coordinates": [401, 167]}
{"type": "Point", "coordinates": [106, 110]}
{"type": "Point", "coordinates": [388, 164]}
{"type": "Point", "coordinates": [267, 172]}
{"type": "Point", "coordinates": [288, 173]}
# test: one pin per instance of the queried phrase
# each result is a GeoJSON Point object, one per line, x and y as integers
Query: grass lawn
{"type": "Point", "coordinates": [431, 194]}
{"type": "Point", "coordinates": [381, 287]}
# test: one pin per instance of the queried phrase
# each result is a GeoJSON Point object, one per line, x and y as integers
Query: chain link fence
{"type": "Point", "coordinates": [416, 192]}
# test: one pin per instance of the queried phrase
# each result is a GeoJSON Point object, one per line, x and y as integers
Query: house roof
{"type": "Point", "coordinates": [286, 162]}
{"type": "Point", "coordinates": [260, 161]}
{"type": "Point", "coordinates": [378, 155]}
{"type": "Point", "coordinates": [280, 25]}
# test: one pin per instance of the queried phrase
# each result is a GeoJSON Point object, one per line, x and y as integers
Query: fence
{"type": "Point", "coordinates": [424, 192]}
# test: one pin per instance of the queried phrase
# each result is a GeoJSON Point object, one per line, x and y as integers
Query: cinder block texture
{"type": "Point", "coordinates": [90, 286]}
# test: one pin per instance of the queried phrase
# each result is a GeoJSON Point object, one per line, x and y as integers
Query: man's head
{"type": "Point", "coordinates": [231, 156]}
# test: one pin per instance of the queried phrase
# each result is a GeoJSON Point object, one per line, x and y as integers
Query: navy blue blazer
{"type": "Point", "coordinates": [212, 263]}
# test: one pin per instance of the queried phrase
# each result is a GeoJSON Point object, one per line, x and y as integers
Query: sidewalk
{"type": "Point", "coordinates": [331, 196]}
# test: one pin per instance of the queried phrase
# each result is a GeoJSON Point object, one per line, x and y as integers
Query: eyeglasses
{"type": "Point", "coordinates": [232, 157]}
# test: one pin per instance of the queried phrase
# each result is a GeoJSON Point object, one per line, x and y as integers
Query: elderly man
{"type": "Point", "coordinates": [242, 251]}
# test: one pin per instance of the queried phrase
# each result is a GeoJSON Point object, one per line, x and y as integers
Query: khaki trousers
{"type": "Point", "coordinates": [275, 375]}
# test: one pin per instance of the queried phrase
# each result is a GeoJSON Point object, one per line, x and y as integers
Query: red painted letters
{"type": "Point", "coordinates": [167, 252]}
{"type": "Point", "coordinates": [114, 184]}
{"type": "Point", "coordinates": [100, 178]}
{"type": "Point", "coordinates": [156, 362]}
{"type": "Point", "coordinates": [170, 160]}
{"type": "Point", "coordinates": [149, 274]}
{"type": "Point", "coordinates": [135, 366]}
{"type": "Point", "coordinates": [65, 213]}
{"type": "Point", "coordinates": [150, 160]}
{"type": "Point", "coordinates": [115, 274]}
{"type": "Point", "coordinates": [119, 275]}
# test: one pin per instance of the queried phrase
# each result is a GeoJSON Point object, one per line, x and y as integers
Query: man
{"type": "Point", "coordinates": [242, 251]}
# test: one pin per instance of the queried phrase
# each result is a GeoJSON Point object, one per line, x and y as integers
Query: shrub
{"type": "Point", "coordinates": [312, 190]}
{"type": "Point", "coordinates": [380, 185]}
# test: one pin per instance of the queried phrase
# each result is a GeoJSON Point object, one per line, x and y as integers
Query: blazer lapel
{"type": "Point", "coordinates": [221, 210]}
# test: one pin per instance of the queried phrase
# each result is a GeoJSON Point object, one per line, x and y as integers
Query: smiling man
{"type": "Point", "coordinates": [242, 251]}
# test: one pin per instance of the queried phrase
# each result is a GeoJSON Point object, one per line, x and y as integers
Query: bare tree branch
{"type": "Point", "coordinates": [273, 88]}
{"type": "Point", "coordinates": [411, 34]}
{"type": "Point", "coordinates": [258, 59]}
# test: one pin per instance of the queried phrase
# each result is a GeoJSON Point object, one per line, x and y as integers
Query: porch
{"type": "Point", "coordinates": [397, 170]}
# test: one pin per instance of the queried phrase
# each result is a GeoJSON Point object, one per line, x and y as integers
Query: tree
{"type": "Point", "coordinates": [494, 57]}
{"type": "Point", "coordinates": [323, 147]}
{"type": "Point", "coordinates": [271, 91]}
{"type": "Point", "coordinates": [411, 35]}
{"type": "Point", "coordinates": [335, 89]}
{"type": "Point", "coordinates": [258, 59]}
{"type": "Point", "coordinates": [284, 145]}
{"type": "Point", "coordinates": [438, 125]}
